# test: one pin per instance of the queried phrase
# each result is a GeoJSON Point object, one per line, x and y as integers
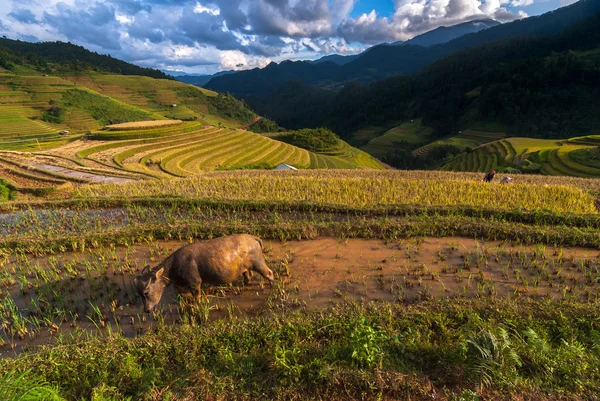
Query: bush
{"type": "Point", "coordinates": [314, 140]}
{"type": "Point", "coordinates": [55, 114]}
{"type": "Point", "coordinates": [227, 106]}
{"type": "Point", "coordinates": [7, 191]}
{"type": "Point", "coordinates": [264, 125]}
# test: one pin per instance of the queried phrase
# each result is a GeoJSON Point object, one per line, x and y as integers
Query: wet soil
{"type": "Point", "coordinates": [95, 178]}
{"type": "Point", "coordinates": [91, 290]}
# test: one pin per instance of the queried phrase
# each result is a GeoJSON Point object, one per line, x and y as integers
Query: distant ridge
{"type": "Point", "coordinates": [73, 57]}
{"type": "Point", "coordinates": [445, 34]}
{"type": "Point", "coordinates": [383, 61]}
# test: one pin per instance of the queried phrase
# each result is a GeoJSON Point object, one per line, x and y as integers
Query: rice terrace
{"type": "Point", "coordinates": [375, 262]}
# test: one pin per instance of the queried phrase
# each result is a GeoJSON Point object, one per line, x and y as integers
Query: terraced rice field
{"type": "Point", "coordinates": [190, 148]}
{"type": "Point", "coordinates": [181, 150]}
{"type": "Point", "coordinates": [469, 138]}
{"type": "Point", "coordinates": [21, 108]}
{"type": "Point", "coordinates": [553, 157]}
{"type": "Point", "coordinates": [407, 134]}
{"type": "Point", "coordinates": [24, 99]}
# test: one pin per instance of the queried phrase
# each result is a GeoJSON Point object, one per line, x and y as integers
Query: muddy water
{"type": "Point", "coordinates": [72, 293]}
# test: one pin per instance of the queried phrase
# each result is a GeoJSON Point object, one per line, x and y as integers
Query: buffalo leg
{"type": "Point", "coordinates": [247, 276]}
{"type": "Point", "coordinates": [197, 292]}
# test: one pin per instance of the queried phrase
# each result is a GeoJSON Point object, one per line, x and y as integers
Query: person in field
{"type": "Point", "coordinates": [505, 180]}
{"type": "Point", "coordinates": [489, 176]}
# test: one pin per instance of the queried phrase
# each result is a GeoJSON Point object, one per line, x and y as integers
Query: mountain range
{"type": "Point", "coordinates": [384, 61]}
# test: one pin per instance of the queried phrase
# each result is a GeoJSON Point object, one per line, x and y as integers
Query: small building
{"type": "Point", "coordinates": [65, 132]}
{"type": "Point", "coordinates": [284, 166]}
{"type": "Point", "coordinates": [174, 105]}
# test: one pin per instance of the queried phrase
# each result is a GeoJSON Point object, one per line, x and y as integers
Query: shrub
{"type": "Point", "coordinates": [55, 114]}
{"type": "Point", "coordinates": [314, 140]}
{"type": "Point", "coordinates": [7, 191]}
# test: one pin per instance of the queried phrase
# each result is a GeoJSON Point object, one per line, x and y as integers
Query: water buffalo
{"type": "Point", "coordinates": [217, 261]}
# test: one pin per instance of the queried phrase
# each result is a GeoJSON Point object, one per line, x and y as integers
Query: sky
{"type": "Point", "coordinates": [207, 36]}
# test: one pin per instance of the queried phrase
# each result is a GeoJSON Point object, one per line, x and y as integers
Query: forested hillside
{"type": "Point", "coordinates": [383, 61]}
{"type": "Point", "coordinates": [66, 58]}
{"type": "Point", "coordinates": [547, 87]}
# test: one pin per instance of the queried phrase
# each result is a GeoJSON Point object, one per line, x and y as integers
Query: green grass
{"type": "Point", "coordinates": [499, 348]}
{"type": "Point", "coordinates": [103, 109]}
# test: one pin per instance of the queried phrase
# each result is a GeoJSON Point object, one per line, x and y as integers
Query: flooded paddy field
{"type": "Point", "coordinates": [91, 292]}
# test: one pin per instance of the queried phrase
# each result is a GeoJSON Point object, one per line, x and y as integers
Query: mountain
{"type": "Point", "coordinates": [543, 87]}
{"type": "Point", "coordinates": [337, 59]}
{"type": "Point", "coordinates": [200, 80]}
{"type": "Point", "coordinates": [70, 58]}
{"type": "Point", "coordinates": [384, 61]}
{"type": "Point", "coordinates": [445, 34]}
{"type": "Point", "coordinates": [439, 35]}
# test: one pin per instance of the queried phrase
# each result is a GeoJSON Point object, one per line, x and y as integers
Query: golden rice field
{"type": "Point", "coordinates": [142, 124]}
{"type": "Point", "coordinates": [346, 189]}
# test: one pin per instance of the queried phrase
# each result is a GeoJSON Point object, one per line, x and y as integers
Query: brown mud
{"type": "Point", "coordinates": [91, 291]}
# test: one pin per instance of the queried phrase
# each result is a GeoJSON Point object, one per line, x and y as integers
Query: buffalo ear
{"type": "Point", "coordinates": [159, 273]}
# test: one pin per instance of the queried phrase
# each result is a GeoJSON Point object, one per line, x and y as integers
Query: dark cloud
{"type": "Point", "coordinates": [207, 29]}
{"type": "Point", "coordinates": [95, 25]}
{"type": "Point", "coordinates": [308, 18]}
{"type": "Point", "coordinates": [145, 27]}
{"type": "Point", "coordinates": [235, 32]}
{"type": "Point", "coordinates": [23, 15]}
{"type": "Point", "coordinates": [131, 7]}
{"type": "Point", "coordinates": [232, 14]}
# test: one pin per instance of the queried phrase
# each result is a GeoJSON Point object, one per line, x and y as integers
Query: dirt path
{"type": "Point", "coordinates": [250, 123]}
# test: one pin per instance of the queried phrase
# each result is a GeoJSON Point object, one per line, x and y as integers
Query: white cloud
{"type": "Point", "coordinates": [413, 17]}
{"type": "Point", "coordinates": [199, 8]}
{"type": "Point", "coordinates": [234, 34]}
{"type": "Point", "coordinates": [521, 3]}
{"type": "Point", "coordinates": [236, 60]}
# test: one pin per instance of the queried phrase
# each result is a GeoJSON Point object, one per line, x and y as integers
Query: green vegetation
{"type": "Point", "coordinates": [587, 156]}
{"type": "Point", "coordinates": [55, 114]}
{"type": "Point", "coordinates": [263, 126]}
{"type": "Point", "coordinates": [315, 140]}
{"type": "Point", "coordinates": [21, 387]}
{"type": "Point", "coordinates": [360, 351]}
{"type": "Point", "coordinates": [7, 191]}
{"type": "Point", "coordinates": [103, 109]}
{"type": "Point", "coordinates": [227, 106]}
{"type": "Point", "coordinates": [64, 58]}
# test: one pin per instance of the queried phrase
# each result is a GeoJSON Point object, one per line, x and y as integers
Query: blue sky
{"type": "Point", "coordinates": [384, 8]}
{"type": "Point", "coordinates": [205, 36]}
